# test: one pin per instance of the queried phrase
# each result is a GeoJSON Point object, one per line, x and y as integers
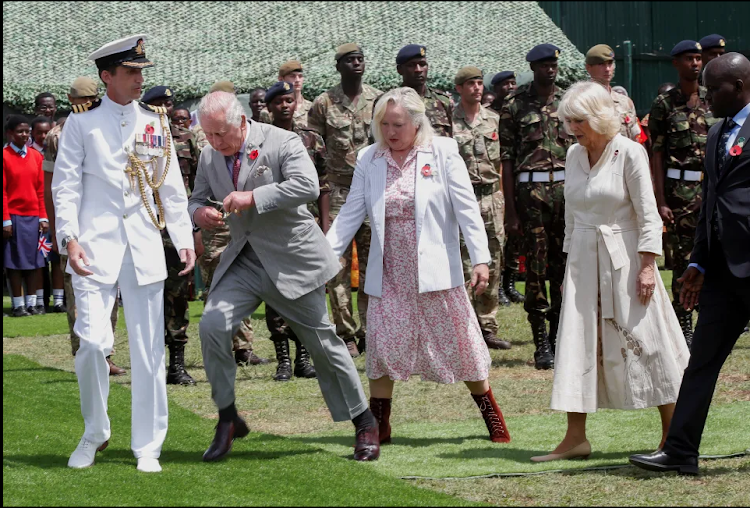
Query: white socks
{"type": "Point", "coordinates": [58, 295]}
{"type": "Point", "coordinates": [30, 300]}
{"type": "Point", "coordinates": [17, 301]}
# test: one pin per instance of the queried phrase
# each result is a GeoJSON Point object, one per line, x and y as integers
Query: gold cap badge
{"type": "Point", "coordinates": [286, 86]}
{"type": "Point", "coordinates": [168, 92]}
{"type": "Point", "coordinates": [557, 54]}
{"type": "Point", "coordinates": [139, 47]}
{"type": "Point", "coordinates": [698, 45]}
{"type": "Point", "coordinates": [421, 51]}
{"type": "Point", "coordinates": [722, 43]}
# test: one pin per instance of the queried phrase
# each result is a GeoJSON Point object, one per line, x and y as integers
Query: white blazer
{"type": "Point", "coordinates": [443, 202]}
{"type": "Point", "coordinates": [94, 199]}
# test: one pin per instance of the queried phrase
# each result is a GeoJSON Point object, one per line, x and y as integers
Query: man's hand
{"type": "Point", "coordinates": [43, 227]}
{"type": "Point", "coordinates": [198, 241]}
{"type": "Point", "coordinates": [77, 259]}
{"type": "Point", "coordinates": [237, 202]}
{"type": "Point", "coordinates": [480, 276]}
{"type": "Point", "coordinates": [187, 256]}
{"type": "Point", "coordinates": [692, 282]}
{"type": "Point", "coordinates": [513, 225]}
{"type": "Point", "coordinates": [666, 214]}
{"type": "Point", "coordinates": [7, 231]}
{"type": "Point", "coordinates": [208, 217]}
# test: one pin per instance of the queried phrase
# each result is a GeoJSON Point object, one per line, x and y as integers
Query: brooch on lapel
{"type": "Point", "coordinates": [617, 152]}
{"type": "Point", "coordinates": [494, 136]}
{"type": "Point", "coordinates": [426, 170]}
{"type": "Point", "coordinates": [253, 155]}
{"type": "Point", "coordinates": [737, 149]}
{"type": "Point", "coordinates": [261, 170]}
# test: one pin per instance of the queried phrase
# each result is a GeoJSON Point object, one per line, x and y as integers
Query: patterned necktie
{"type": "Point", "coordinates": [722, 159]}
{"type": "Point", "coordinates": [236, 169]}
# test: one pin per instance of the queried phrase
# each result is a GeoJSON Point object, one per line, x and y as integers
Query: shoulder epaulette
{"type": "Point", "coordinates": [86, 106]}
{"type": "Point", "coordinates": [159, 110]}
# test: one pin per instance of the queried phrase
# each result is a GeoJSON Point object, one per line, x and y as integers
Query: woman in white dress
{"type": "Point", "coordinates": [619, 343]}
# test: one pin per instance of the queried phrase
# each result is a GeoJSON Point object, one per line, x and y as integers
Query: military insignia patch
{"type": "Point", "coordinates": [421, 51]}
{"type": "Point", "coordinates": [557, 54]}
{"type": "Point", "coordinates": [698, 45]}
{"type": "Point", "coordinates": [722, 43]}
{"type": "Point", "coordinates": [286, 86]}
{"type": "Point", "coordinates": [139, 47]}
{"type": "Point", "coordinates": [168, 92]}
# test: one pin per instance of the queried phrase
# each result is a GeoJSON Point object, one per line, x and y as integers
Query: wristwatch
{"type": "Point", "coordinates": [67, 240]}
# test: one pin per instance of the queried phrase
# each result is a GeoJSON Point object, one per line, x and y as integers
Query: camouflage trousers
{"type": "Point", "coordinates": [684, 199]}
{"type": "Point", "coordinates": [492, 208]}
{"type": "Point", "coordinates": [214, 243]}
{"type": "Point", "coordinates": [278, 327]}
{"type": "Point", "coordinates": [340, 287]}
{"type": "Point", "coordinates": [176, 312]}
{"type": "Point", "coordinates": [541, 209]}
{"type": "Point", "coordinates": [513, 251]}
{"type": "Point", "coordinates": [70, 304]}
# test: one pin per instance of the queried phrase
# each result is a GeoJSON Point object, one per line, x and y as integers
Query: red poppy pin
{"type": "Point", "coordinates": [149, 129]}
{"type": "Point", "coordinates": [426, 170]}
{"type": "Point", "coordinates": [627, 119]}
{"type": "Point", "coordinates": [494, 136]}
{"type": "Point", "coordinates": [735, 150]}
{"type": "Point", "coordinates": [253, 155]}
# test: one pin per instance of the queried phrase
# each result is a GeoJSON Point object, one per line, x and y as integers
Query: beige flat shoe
{"type": "Point", "coordinates": [581, 451]}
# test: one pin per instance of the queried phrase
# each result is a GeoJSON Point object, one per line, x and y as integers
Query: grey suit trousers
{"type": "Point", "coordinates": [238, 294]}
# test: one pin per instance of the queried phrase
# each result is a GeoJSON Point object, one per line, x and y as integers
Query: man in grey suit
{"type": "Point", "coordinates": [264, 178]}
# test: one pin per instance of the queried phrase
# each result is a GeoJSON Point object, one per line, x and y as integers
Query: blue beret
{"type": "Point", "coordinates": [712, 41]}
{"type": "Point", "coordinates": [686, 47]}
{"type": "Point", "coordinates": [543, 52]}
{"type": "Point", "coordinates": [502, 76]}
{"type": "Point", "coordinates": [278, 88]}
{"type": "Point", "coordinates": [410, 51]}
{"type": "Point", "coordinates": [157, 92]}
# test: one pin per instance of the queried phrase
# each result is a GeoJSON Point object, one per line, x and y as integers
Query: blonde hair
{"type": "Point", "coordinates": [410, 100]}
{"type": "Point", "coordinates": [590, 101]}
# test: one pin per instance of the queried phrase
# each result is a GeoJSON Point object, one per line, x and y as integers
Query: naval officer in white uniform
{"type": "Point", "coordinates": [116, 184]}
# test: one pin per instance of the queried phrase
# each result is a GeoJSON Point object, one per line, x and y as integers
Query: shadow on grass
{"type": "Point", "coordinates": [510, 363]}
{"type": "Point", "coordinates": [523, 456]}
{"type": "Point", "coordinates": [414, 442]}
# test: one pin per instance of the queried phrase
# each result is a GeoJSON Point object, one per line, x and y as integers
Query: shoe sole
{"type": "Point", "coordinates": [650, 466]}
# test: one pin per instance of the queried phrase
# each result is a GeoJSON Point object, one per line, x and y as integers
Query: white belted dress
{"type": "Point", "coordinates": [612, 351]}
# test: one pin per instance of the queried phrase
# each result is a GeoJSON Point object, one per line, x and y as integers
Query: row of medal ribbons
{"type": "Point", "coordinates": [150, 144]}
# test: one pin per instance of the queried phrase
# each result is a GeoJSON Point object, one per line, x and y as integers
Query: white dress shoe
{"type": "Point", "coordinates": [581, 451]}
{"type": "Point", "coordinates": [83, 456]}
{"type": "Point", "coordinates": [149, 465]}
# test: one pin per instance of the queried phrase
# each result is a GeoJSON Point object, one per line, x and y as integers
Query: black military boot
{"type": "Point", "coordinates": [686, 323]}
{"type": "Point", "coordinates": [509, 286]}
{"type": "Point", "coordinates": [302, 365]}
{"type": "Point", "coordinates": [502, 298]}
{"type": "Point", "coordinates": [554, 321]}
{"type": "Point", "coordinates": [284, 369]}
{"type": "Point", "coordinates": [543, 358]}
{"type": "Point", "coordinates": [176, 374]}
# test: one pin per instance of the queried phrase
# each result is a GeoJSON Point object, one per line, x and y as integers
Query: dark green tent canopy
{"type": "Point", "coordinates": [193, 44]}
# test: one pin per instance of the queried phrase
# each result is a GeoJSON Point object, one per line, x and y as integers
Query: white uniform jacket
{"type": "Point", "coordinates": [444, 200]}
{"type": "Point", "coordinates": [94, 199]}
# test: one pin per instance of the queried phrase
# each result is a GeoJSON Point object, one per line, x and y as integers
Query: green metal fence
{"type": "Point", "coordinates": [649, 30]}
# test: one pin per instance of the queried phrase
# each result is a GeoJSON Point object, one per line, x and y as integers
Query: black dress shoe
{"type": "Point", "coordinates": [33, 311]}
{"type": "Point", "coordinates": [367, 446]}
{"type": "Point", "coordinates": [60, 308]}
{"type": "Point", "coordinates": [226, 433]}
{"type": "Point", "coordinates": [661, 462]}
{"type": "Point", "coordinates": [20, 312]}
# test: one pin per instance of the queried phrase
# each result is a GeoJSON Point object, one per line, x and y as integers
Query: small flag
{"type": "Point", "coordinates": [45, 244]}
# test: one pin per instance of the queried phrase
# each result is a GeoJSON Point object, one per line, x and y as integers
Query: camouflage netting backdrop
{"type": "Point", "coordinates": [194, 44]}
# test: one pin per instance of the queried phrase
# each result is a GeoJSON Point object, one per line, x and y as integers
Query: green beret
{"type": "Point", "coordinates": [599, 54]}
{"type": "Point", "coordinates": [290, 67]}
{"type": "Point", "coordinates": [464, 74]}
{"type": "Point", "coordinates": [345, 49]}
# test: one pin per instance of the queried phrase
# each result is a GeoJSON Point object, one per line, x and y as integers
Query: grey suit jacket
{"type": "Point", "coordinates": [282, 232]}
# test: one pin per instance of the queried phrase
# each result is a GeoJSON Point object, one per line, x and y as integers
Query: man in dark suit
{"type": "Point", "coordinates": [719, 265]}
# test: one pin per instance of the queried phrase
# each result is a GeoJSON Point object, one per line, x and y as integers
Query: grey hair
{"type": "Point", "coordinates": [590, 101]}
{"type": "Point", "coordinates": [226, 102]}
{"type": "Point", "coordinates": [410, 100]}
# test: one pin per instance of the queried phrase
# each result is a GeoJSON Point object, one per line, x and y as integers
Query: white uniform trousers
{"type": "Point", "coordinates": [144, 317]}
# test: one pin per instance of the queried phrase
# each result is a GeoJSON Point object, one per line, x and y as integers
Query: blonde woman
{"type": "Point", "coordinates": [620, 344]}
{"type": "Point", "coordinates": [415, 188]}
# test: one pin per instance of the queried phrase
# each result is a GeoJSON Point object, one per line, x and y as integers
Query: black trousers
{"type": "Point", "coordinates": [724, 312]}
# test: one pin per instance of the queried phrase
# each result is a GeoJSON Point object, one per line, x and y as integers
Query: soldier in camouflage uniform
{"type": "Point", "coordinates": [342, 116]}
{"type": "Point", "coordinates": [679, 122]}
{"type": "Point", "coordinates": [503, 84]}
{"type": "Point", "coordinates": [475, 131]}
{"type": "Point", "coordinates": [291, 72]}
{"type": "Point", "coordinates": [533, 146]}
{"type": "Point", "coordinates": [83, 90]}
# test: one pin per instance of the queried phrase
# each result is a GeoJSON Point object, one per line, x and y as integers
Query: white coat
{"type": "Point", "coordinates": [94, 199]}
{"type": "Point", "coordinates": [638, 358]}
{"type": "Point", "coordinates": [444, 200]}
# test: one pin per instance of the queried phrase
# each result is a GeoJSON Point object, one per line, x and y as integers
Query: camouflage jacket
{"type": "Point", "coordinates": [678, 131]}
{"type": "Point", "coordinates": [187, 152]}
{"type": "Point", "coordinates": [439, 109]}
{"type": "Point", "coordinates": [345, 127]}
{"type": "Point", "coordinates": [51, 145]}
{"type": "Point", "coordinates": [532, 136]}
{"type": "Point", "coordinates": [200, 137]}
{"type": "Point", "coordinates": [629, 126]}
{"type": "Point", "coordinates": [316, 149]}
{"type": "Point", "coordinates": [479, 144]}
{"type": "Point", "coordinates": [300, 114]}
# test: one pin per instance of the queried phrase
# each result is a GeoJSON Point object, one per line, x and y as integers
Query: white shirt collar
{"type": "Point", "coordinates": [116, 108]}
{"type": "Point", "coordinates": [740, 117]}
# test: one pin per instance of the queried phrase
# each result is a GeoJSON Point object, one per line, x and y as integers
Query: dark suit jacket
{"type": "Point", "coordinates": [728, 198]}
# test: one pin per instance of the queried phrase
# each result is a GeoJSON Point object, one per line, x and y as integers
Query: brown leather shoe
{"type": "Point", "coordinates": [493, 342]}
{"type": "Point", "coordinates": [114, 370]}
{"type": "Point", "coordinates": [226, 433]}
{"type": "Point", "coordinates": [351, 345]}
{"type": "Point", "coordinates": [367, 447]}
{"type": "Point", "coordinates": [248, 357]}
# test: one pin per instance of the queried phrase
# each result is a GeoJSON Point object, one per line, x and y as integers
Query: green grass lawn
{"type": "Point", "coordinates": [438, 432]}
